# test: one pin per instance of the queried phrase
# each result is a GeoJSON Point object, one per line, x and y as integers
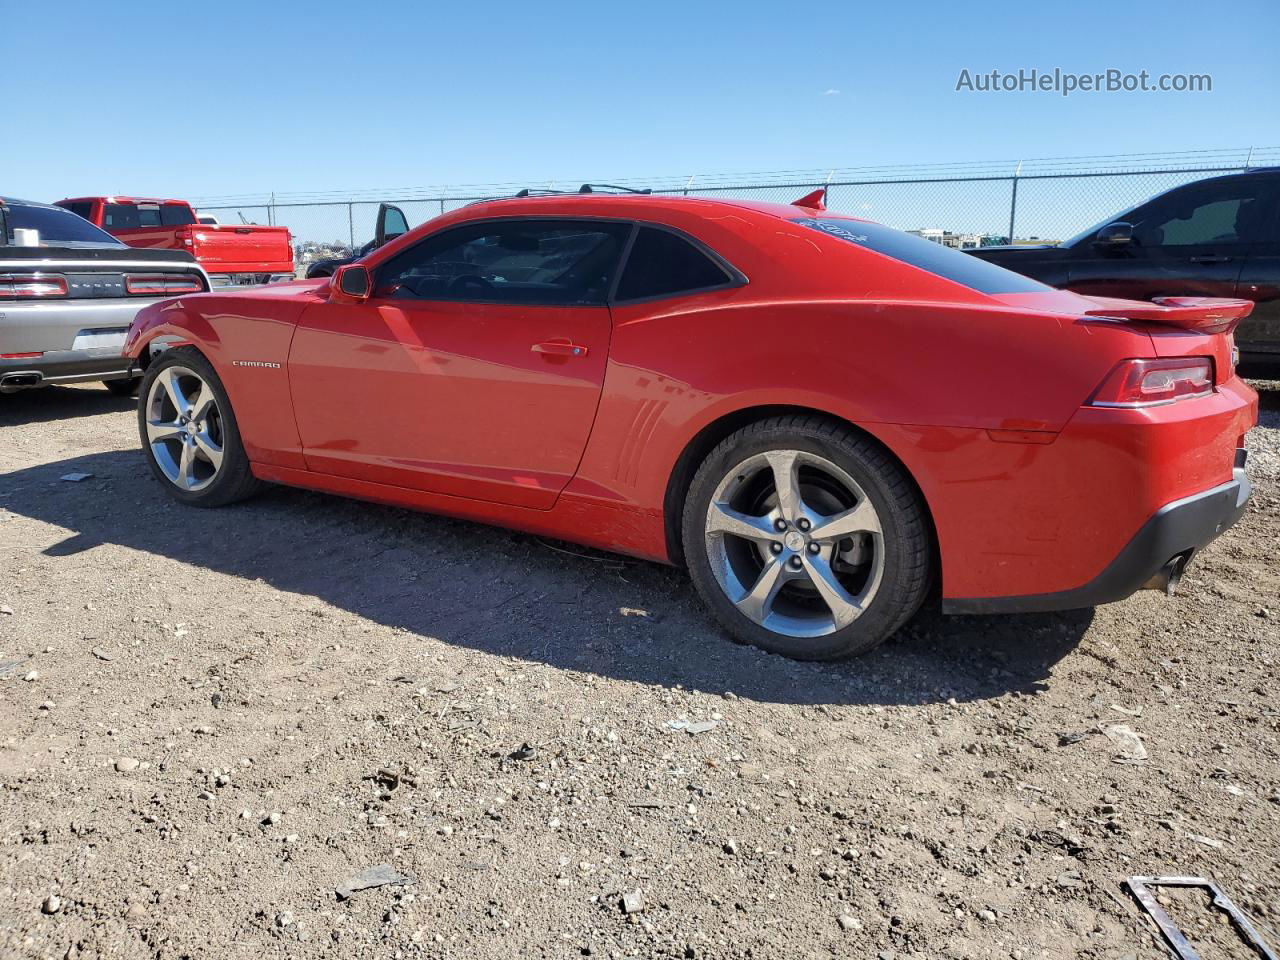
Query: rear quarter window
{"type": "Point", "coordinates": [662, 264]}
{"type": "Point", "coordinates": [918, 252]}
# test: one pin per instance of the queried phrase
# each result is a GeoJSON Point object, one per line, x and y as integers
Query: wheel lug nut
{"type": "Point", "coordinates": [775, 548]}
{"type": "Point", "coordinates": [803, 524]}
{"type": "Point", "coordinates": [814, 548]}
{"type": "Point", "coordinates": [779, 525]}
{"type": "Point", "coordinates": [796, 563]}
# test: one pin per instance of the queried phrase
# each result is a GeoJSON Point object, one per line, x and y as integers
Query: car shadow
{"type": "Point", "coordinates": [521, 596]}
{"type": "Point", "coordinates": [47, 404]}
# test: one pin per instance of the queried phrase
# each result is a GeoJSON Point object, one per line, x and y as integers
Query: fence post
{"type": "Point", "coordinates": [351, 226]}
{"type": "Point", "coordinates": [271, 210]}
{"type": "Point", "coordinates": [1013, 201]}
{"type": "Point", "coordinates": [442, 206]}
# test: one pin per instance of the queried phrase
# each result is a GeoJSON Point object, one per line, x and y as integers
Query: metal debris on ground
{"type": "Point", "coordinates": [694, 726]}
{"type": "Point", "coordinates": [76, 477]}
{"type": "Point", "coordinates": [523, 752]}
{"type": "Point", "coordinates": [1140, 887]}
{"type": "Point", "coordinates": [379, 875]}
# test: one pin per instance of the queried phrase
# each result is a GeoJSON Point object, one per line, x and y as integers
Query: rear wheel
{"type": "Point", "coordinates": [189, 432]}
{"type": "Point", "coordinates": [806, 539]}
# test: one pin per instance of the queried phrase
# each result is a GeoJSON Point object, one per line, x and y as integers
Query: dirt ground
{"type": "Point", "coordinates": [209, 720]}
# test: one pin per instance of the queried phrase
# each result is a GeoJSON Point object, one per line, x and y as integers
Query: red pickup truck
{"type": "Point", "coordinates": [232, 255]}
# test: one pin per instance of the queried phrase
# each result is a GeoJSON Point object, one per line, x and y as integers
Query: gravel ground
{"type": "Point", "coordinates": [209, 720]}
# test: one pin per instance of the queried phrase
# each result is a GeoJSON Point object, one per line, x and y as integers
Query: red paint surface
{"type": "Point", "coordinates": [450, 407]}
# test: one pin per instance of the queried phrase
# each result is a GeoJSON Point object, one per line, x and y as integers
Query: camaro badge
{"type": "Point", "coordinates": [255, 363]}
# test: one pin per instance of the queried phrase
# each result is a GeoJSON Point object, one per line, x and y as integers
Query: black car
{"type": "Point", "coordinates": [1218, 237]}
{"type": "Point", "coordinates": [391, 224]}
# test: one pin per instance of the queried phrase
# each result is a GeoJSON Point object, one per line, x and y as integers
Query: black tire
{"type": "Point", "coordinates": [123, 388]}
{"type": "Point", "coordinates": [234, 480]}
{"type": "Point", "coordinates": [906, 537]}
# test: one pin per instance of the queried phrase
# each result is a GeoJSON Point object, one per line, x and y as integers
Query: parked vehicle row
{"type": "Point", "coordinates": [68, 293]}
{"type": "Point", "coordinates": [823, 419]}
{"type": "Point", "coordinates": [232, 255]}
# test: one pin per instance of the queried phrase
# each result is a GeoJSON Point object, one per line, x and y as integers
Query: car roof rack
{"type": "Point", "coordinates": [612, 188]}
{"type": "Point", "coordinates": [609, 188]}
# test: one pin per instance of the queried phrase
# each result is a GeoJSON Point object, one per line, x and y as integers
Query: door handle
{"type": "Point", "coordinates": [559, 348]}
{"type": "Point", "coordinates": [1211, 258]}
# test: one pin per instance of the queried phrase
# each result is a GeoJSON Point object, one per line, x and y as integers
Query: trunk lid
{"type": "Point", "coordinates": [1177, 326]}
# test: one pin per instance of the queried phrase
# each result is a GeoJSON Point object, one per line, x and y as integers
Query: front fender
{"type": "Point", "coordinates": [170, 320]}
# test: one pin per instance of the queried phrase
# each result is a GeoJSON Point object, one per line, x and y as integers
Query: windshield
{"type": "Point", "coordinates": [58, 227]}
{"type": "Point", "coordinates": [943, 261]}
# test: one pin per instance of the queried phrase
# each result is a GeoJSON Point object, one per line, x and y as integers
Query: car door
{"type": "Point", "coordinates": [1188, 242]}
{"type": "Point", "coordinates": [475, 367]}
{"type": "Point", "coordinates": [1258, 336]}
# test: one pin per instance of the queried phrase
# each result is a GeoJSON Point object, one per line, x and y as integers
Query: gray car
{"type": "Point", "coordinates": [68, 292]}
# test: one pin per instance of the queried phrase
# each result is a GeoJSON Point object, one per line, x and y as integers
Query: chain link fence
{"type": "Point", "coordinates": [959, 204]}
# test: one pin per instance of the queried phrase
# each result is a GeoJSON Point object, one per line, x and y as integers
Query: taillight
{"type": "Point", "coordinates": [162, 286]}
{"type": "Point", "coordinates": [1147, 383]}
{"type": "Point", "coordinates": [20, 286]}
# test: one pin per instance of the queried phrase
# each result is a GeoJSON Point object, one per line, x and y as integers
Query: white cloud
{"type": "Point", "coordinates": [831, 92]}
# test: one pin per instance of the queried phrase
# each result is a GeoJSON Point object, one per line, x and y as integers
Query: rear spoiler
{"type": "Point", "coordinates": [1199, 314]}
{"type": "Point", "coordinates": [104, 253]}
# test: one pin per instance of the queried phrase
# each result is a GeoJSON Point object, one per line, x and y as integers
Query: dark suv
{"type": "Point", "coordinates": [1217, 238]}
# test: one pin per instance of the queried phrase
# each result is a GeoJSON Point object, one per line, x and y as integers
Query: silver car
{"type": "Point", "coordinates": [68, 292]}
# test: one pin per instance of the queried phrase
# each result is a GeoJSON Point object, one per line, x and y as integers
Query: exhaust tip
{"type": "Point", "coordinates": [1170, 575]}
{"type": "Point", "coordinates": [14, 382]}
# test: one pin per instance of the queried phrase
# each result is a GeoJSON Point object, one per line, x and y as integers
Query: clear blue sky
{"type": "Point", "coordinates": [202, 99]}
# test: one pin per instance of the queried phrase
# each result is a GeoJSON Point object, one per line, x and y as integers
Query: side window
{"type": "Point", "coordinates": [176, 215]}
{"type": "Point", "coordinates": [510, 261]}
{"type": "Point", "coordinates": [1220, 215]}
{"type": "Point", "coordinates": [662, 264]}
{"type": "Point", "coordinates": [120, 216]}
{"type": "Point", "coordinates": [81, 209]}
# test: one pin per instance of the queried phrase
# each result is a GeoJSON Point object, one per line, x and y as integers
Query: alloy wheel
{"type": "Point", "coordinates": [795, 543]}
{"type": "Point", "coordinates": [184, 428]}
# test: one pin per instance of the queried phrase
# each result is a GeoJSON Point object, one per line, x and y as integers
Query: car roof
{"type": "Point", "coordinates": [119, 199]}
{"type": "Point", "coordinates": [625, 205]}
{"type": "Point", "coordinates": [19, 202]}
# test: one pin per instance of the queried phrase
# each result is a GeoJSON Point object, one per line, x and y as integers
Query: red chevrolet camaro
{"type": "Point", "coordinates": [822, 418]}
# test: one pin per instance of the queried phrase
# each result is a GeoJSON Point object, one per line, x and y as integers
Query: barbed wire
{"type": "Point", "coordinates": [1209, 159]}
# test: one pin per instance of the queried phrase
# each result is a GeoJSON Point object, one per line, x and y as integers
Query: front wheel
{"type": "Point", "coordinates": [189, 432]}
{"type": "Point", "coordinates": [806, 538]}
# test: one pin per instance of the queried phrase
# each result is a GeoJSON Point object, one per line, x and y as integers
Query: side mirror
{"type": "Point", "coordinates": [352, 283]}
{"type": "Point", "coordinates": [391, 224]}
{"type": "Point", "coordinates": [1115, 235]}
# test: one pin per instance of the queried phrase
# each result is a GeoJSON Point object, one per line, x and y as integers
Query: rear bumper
{"type": "Point", "coordinates": [60, 367]}
{"type": "Point", "coordinates": [1158, 551]}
